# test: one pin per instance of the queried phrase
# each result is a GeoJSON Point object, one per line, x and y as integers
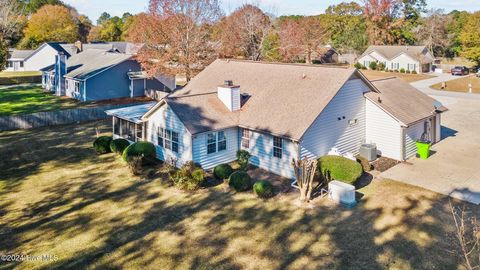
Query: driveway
{"type": "Point", "coordinates": [424, 86]}
{"type": "Point", "coordinates": [454, 167]}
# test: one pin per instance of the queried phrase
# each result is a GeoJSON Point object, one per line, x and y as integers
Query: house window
{"type": "Point", "coordinates": [168, 139]}
{"type": "Point", "coordinates": [277, 147]}
{"type": "Point", "coordinates": [245, 138]}
{"type": "Point", "coordinates": [76, 87]}
{"type": "Point", "coordinates": [10, 64]}
{"type": "Point", "coordinates": [21, 64]}
{"type": "Point", "coordinates": [216, 142]}
{"type": "Point", "coordinates": [139, 132]}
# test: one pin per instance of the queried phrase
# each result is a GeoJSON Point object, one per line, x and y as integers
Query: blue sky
{"type": "Point", "coordinates": [93, 8]}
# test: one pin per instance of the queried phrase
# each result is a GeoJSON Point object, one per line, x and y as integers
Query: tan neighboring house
{"type": "Point", "coordinates": [280, 112]}
{"type": "Point", "coordinates": [410, 58]}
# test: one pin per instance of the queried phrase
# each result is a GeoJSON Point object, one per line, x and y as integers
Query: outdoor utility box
{"type": "Point", "coordinates": [368, 151]}
{"type": "Point", "coordinates": [341, 192]}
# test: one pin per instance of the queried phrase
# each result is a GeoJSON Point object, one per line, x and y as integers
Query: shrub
{"type": "Point", "coordinates": [402, 70]}
{"type": "Point", "coordinates": [339, 168]}
{"type": "Point", "coordinates": [222, 171]}
{"type": "Point", "coordinates": [381, 66]}
{"type": "Point", "coordinates": [135, 165]}
{"type": "Point", "coordinates": [146, 150]}
{"type": "Point", "coordinates": [358, 65]}
{"type": "Point", "coordinates": [188, 177]}
{"type": "Point", "coordinates": [364, 67]}
{"type": "Point", "coordinates": [102, 144]}
{"type": "Point", "coordinates": [364, 162]}
{"type": "Point", "coordinates": [373, 65]}
{"type": "Point", "coordinates": [118, 145]}
{"type": "Point", "coordinates": [396, 70]}
{"type": "Point", "coordinates": [243, 157]}
{"type": "Point", "coordinates": [408, 71]}
{"type": "Point", "coordinates": [263, 189]}
{"type": "Point", "coordinates": [414, 72]}
{"type": "Point", "coordinates": [240, 181]}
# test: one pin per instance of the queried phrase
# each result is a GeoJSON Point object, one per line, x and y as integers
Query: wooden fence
{"type": "Point", "coordinates": [52, 118]}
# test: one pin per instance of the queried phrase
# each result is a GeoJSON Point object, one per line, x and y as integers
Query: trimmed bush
{"type": "Point", "coordinates": [118, 145]}
{"type": "Point", "coordinates": [414, 72]}
{"type": "Point", "coordinates": [243, 157]}
{"type": "Point", "coordinates": [102, 144]}
{"type": "Point", "coordinates": [189, 177]}
{"type": "Point", "coordinates": [402, 70]}
{"type": "Point", "coordinates": [408, 71]}
{"type": "Point", "coordinates": [358, 66]}
{"type": "Point", "coordinates": [339, 168]}
{"type": "Point", "coordinates": [381, 66]}
{"type": "Point", "coordinates": [146, 150]}
{"type": "Point", "coordinates": [222, 171]}
{"type": "Point", "coordinates": [373, 65]}
{"type": "Point", "coordinates": [263, 189]}
{"type": "Point", "coordinates": [366, 166]}
{"type": "Point", "coordinates": [240, 181]}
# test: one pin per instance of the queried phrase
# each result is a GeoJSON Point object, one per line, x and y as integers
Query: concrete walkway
{"type": "Point", "coordinates": [454, 167]}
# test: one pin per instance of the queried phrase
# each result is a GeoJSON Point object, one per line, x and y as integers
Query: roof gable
{"type": "Point", "coordinates": [418, 53]}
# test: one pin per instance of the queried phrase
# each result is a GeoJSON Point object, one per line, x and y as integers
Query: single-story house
{"type": "Point", "coordinates": [280, 112]}
{"type": "Point", "coordinates": [16, 59]}
{"type": "Point", "coordinates": [410, 58]}
{"type": "Point", "coordinates": [98, 75]}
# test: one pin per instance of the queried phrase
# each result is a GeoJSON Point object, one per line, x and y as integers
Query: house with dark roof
{"type": "Point", "coordinates": [280, 112]}
{"type": "Point", "coordinates": [409, 58]}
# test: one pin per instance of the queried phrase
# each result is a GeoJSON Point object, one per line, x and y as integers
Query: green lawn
{"type": "Point", "coordinates": [29, 99]}
{"type": "Point", "coordinates": [58, 198]}
{"type": "Point", "coordinates": [10, 74]}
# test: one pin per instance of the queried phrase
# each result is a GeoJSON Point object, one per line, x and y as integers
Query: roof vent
{"type": "Point", "coordinates": [228, 83]}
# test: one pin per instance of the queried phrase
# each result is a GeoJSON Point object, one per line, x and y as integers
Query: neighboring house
{"type": "Point", "coordinates": [348, 58]}
{"type": "Point", "coordinates": [411, 58]}
{"type": "Point", "coordinates": [279, 112]}
{"type": "Point", "coordinates": [16, 60]}
{"type": "Point", "coordinates": [98, 75]}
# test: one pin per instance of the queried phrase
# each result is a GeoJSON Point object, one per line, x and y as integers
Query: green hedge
{"type": "Point", "coordinates": [189, 177]}
{"type": "Point", "coordinates": [240, 181]}
{"type": "Point", "coordinates": [145, 149]}
{"type": "Point", "coordinates": [222, 171]}
{"type": "Point", "coordinates": [119, 145]}
{"type": "Point", "coordinates": [339, 168]}
{"type": "Point", "coordinates": [102, 144]}
{"type": "Point", "coordinates": [263, 189]}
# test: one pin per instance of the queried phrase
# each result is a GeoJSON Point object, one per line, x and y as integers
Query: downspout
{"type": "Point", "coordinates": [402, 144]}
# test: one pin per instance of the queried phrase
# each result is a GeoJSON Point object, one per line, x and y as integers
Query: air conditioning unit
{"type": "Point", "coordinates": [341, 192]}
{"type": "Point", "coordinates": [368, 151]}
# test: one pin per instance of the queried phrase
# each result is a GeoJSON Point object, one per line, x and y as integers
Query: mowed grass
{"type": "Point", "coordinates": [30, 99]}
{"type": "Point", "coordinates": [58, 198]}
{"type": "Point", "coordinates": [10, 74]}
{"type": "Point", "coordinates": [461, 85]}
{"type": "Point", "coordinates": [375, 75]}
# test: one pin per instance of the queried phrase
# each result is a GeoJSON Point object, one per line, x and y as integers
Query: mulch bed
{"type": "Point", "coordinates": [383, 163]}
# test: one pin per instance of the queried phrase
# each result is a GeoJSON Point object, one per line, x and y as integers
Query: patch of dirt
{"type": "Point", "coordinates": [383, 163]}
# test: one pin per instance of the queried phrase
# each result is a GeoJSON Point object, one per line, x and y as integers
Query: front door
{"type": "Point", "coordinates": [16, 66]}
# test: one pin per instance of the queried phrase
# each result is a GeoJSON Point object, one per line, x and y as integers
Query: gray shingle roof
{"type": "Point", "coordinates": [403, 101]}
{"type": "Point", "coordinates": [131, 113]}
{"type": "Point", "coordinates": [91, 61]}
{"type": "Point", "coordinates": [21, 54]}
{"type": "Point", "coordinates": [416, 52]}
{"type": "Point", "coordinates": [284, 99]}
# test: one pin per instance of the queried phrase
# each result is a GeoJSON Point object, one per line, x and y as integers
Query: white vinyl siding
{"type": "Point", "coordinates": [406, 62]}
{"type": "Point", "coordinates": [165, 118]}
{"type": "Point", "coordinates": [383, 130]}
{"type": "Point", "coordinates": [43, 57]}
{"type": "Point", "coordinates": [438, 132]}
{"type": "Point", "coordinates": [208, 161]}
{"type": "Point", "coordinates": [365, 60]}
{"type": "Point", "coordinates": [414, 133]}
{"type": "Point", "coordinates": [261, 149]}
{"type": "Point", "coordinates": [328, 131]}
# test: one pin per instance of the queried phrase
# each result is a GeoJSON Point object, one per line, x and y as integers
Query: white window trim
{"type": "Point", "coordinates": [244, 139]}
{"type": "Point", "coordinates": [217, 141]}
{"type": "Point", "coordinates": [275, 147]}
{"type": "Point", "coordinates": [168, 141]}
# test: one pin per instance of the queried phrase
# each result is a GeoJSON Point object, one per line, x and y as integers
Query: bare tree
{"type": "Point", "coordinates": [244, 32]}
{"type": "Point", "coordinates": [434, 33]}
{"type": "Point", "coordinates": [302, 38]}
{"type": "Point", "coordinates": [304, 174]}
{"type": "Point", "coordinates": [176, 35]}
{"type": "Point", "coordinates": [467, 235]}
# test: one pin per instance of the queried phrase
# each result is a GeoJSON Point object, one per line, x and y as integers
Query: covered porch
{"type": "Point", "coordinates": [127, 122]}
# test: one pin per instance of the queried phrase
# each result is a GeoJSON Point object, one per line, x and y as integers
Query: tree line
{"type": "Point", "coordinates": [186, 35]}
